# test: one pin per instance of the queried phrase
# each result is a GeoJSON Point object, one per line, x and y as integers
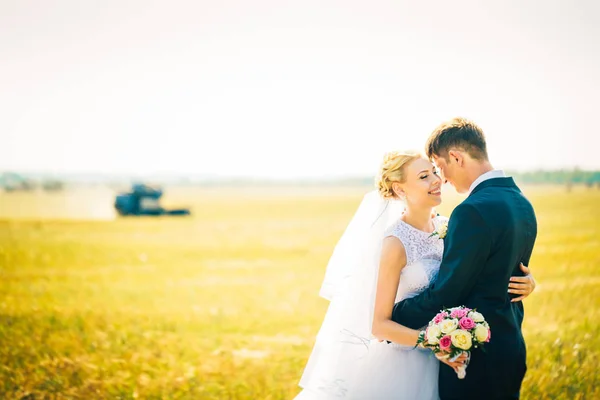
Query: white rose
{"type": "Point", "coordinates": [443, 230]}
{"type": "Point", "coordinates": [448, 325]}
{"type": "Point", "coordinates": [461, 339]}
{"type": "Point", "coordinates": [481, 333]}
{"type": "Point", "coordinates": [433, 334]}
{"type": "Point", "coordinates": [475, 316]}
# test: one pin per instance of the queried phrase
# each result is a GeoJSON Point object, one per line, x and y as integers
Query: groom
{"type": "Point", "coordinates": [488, 235]}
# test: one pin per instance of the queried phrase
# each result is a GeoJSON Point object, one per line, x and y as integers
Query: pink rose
{"type": "Point", "coordinates": [440, 317]}
{"type": "Point", "coordinates": [489, 335]}
{"type": "Point", "coordinates": [459, 313]}
{"type": "Point", "coordinates": [466, 323]}
{"type": "Point", "coordinates": [445, 343]}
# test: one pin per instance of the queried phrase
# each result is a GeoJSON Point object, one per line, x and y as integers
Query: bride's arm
{"type": "Point", "coordinates": [393, 259]}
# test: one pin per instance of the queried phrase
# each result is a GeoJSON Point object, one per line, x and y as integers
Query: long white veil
{"type": "Point", "coordinates": [350, 284]}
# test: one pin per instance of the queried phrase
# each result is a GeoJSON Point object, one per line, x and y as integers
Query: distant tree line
{"type": "Point", "coordinates": [560, 177]}
{"type": "Point", "coordinates": [13, 182]}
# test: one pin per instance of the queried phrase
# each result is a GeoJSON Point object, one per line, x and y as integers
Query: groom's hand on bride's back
{"type": "Point", "coordinates": [522, 285]}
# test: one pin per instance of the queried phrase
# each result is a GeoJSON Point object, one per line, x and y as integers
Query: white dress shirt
{"type": "Point", "coordinates": [496, 173]}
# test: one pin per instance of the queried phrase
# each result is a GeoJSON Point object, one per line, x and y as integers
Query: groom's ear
{"type": "Point", "coordinates": [456, 156]}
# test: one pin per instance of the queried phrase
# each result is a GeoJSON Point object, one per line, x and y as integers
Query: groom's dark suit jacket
{"type": "Point", "coordinates": [489, 234]}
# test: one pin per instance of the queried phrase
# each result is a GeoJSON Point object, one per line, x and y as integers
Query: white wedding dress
{"type": "Point", "coordinates": [361, 368]}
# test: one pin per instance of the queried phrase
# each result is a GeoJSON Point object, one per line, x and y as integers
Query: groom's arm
{"type": "Point", "coordinates": [466, 248]}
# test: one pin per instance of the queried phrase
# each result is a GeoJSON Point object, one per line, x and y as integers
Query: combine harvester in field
{"type": "Point", "coordinates": [144, 200]}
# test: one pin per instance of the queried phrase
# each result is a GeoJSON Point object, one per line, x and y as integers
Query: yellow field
{"type": "Point", "coordinates": [224, 304]}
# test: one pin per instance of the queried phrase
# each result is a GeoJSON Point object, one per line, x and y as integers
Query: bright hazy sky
{"type": "Point", "coordinates": [292, 89]}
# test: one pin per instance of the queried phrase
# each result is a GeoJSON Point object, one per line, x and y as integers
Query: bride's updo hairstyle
{"type": "Point", "coordinates": [392, 170]}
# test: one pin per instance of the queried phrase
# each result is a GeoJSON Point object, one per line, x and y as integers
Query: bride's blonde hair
{"type": "Point", "coordinates": [392, 170]}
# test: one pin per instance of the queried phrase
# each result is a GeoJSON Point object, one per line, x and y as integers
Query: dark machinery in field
{"type": "Point", "coordinates": [144, 200]}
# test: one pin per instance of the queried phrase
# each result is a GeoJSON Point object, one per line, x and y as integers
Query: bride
{"type": "Point", "coordinates": [391, 250]}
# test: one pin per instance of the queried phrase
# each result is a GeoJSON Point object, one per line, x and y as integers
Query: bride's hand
{"type": "Point", "coordinates": [522, 285]}
{"type": "Point", "coordinates": [460, 361]}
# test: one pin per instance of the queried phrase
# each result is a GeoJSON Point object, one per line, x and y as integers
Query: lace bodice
{"type": "Point", "coordinates": [423, 257]}
{"type": "Point", "coordinates": [347, 362]}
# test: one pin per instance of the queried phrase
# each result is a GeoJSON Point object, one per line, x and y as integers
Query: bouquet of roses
{"type": "Point", "coordinates": [454, 331]}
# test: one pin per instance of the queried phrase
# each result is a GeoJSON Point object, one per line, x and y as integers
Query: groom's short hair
{"type": "Point", "coordinates": [457, 133]}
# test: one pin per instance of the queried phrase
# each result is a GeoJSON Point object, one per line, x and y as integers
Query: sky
{"type": "Point", "coordinates": [292, 89]}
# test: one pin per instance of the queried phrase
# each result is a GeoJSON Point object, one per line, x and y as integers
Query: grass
{"type": "Point", "coordinates": [224, 304]}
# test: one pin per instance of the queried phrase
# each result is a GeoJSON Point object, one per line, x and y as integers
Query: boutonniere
{"type": "Point", "coordinates": [441, 231]}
